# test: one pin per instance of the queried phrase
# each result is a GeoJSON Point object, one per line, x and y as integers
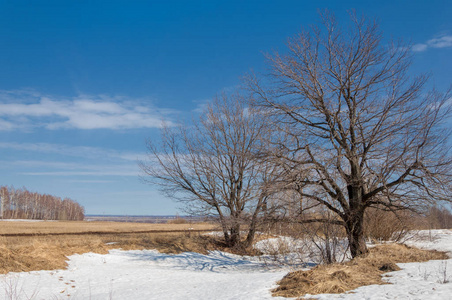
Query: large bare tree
{"type": "Point", "coordinates": [214, 168]}
{"type": "Point", "coordinates": [359, 132]}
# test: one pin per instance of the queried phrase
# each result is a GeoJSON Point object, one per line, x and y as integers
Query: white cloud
{"type": "Point", "coordinates": [75, 151]}
{"type": "Point", "coordinates": [22, 109]}
{"type": "Point", "coordinates": [419, 47]}
{"type": "Point", "coordinates": [444, 41]}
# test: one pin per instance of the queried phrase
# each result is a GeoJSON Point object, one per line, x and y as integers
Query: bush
{"type": "Point", "coordinates": [381, 225]}
{"type": "Point", "coordinates": [177, 220]}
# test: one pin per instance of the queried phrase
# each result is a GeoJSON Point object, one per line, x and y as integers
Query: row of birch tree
{"type": "Point", "coordinates": [19, 203]}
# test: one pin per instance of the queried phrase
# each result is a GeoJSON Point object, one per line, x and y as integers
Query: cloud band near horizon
{"type": "Point", "coordinates": [25, 110]}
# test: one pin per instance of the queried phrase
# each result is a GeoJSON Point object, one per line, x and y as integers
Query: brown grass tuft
{"type": "Point", "coordinates": [342, 277]}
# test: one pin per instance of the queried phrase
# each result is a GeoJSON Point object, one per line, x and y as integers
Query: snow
{"type": "Point", "coordinates": [300, 253]}
{"type": "Point", "coordinates": [148, 274]}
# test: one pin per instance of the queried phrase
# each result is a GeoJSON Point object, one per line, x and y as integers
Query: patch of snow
{"type": "Point", "coordinates": [148, 274]}
{"type": "Point", "coordinates": [439, 239]}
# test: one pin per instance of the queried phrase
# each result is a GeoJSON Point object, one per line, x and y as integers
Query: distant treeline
{"type": "Point", "coordinates": [23, 204]}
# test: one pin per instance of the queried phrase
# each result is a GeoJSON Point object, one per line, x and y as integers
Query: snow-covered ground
{"type": "Point", "coordinates": [152, 275]}
{"type": "Point", "coordinates": [148, 274]}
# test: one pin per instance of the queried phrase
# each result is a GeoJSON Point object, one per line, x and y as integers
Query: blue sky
{"type": "Point", "coordinates": [84, 83]}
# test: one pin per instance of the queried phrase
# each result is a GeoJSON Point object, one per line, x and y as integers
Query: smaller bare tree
{"type": "Point", "coordinates": [214, 166]}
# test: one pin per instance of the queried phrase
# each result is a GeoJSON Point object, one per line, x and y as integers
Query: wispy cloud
{"type": "Point", "coordinates": [87, 161]}
{"type": "Point", "coordinates": [117, 172]}
{"type": "Point", "coordinates": [443, 41]}
{"type": "Point", "coordinates": [41, 164]}
{"type": "Point", "coordinates": [56, 168]}
{"type": "Point", "coordinates": [74, 151]}
{"type": "Point", "coordinates": [28, 109]}
{"type": "Point", "coordinates": [201, 105]}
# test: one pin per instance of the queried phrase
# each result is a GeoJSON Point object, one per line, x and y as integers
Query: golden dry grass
{"type": "Point", "coordinates": [19, 254]}
{"type": "Point", "coordinates": [58, 227]}
{"type": "Point", "coordinates": [48, 252]}
{"type": "Point", "coordinates": [342, 277]}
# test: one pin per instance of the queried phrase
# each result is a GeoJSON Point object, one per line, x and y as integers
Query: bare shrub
{"type": "Point", "coordinates": [14, 289]}
{"type": "Point", "coordinates": [383, 225]}
{"type": "Point", "coordinates": [439, 218]}
{"type": "Point", "coordinates": [299, 242]}
{"type": "Point", "coordinates": [177, 220]}
{"type": "Point", "coordinates": [283, 250]}
{"type": "Point", "coordinates": [326, 242]}
{"type": "Point", "coordinates": [443, 275]}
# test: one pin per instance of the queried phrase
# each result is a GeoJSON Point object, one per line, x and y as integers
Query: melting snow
{"type": "Point", "coordinates": [149, 274]}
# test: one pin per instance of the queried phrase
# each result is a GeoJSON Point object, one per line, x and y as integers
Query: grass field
{"type": "Point", "coordinates": [8, 228]}
{"type": "Point", "coordinates": [28, 246]}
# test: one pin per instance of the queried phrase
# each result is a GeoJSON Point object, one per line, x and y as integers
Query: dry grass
{"type": "Point", "coordinates": [18, 254]}
{"type": "Point", "coordinates": [59, 227]}
{"type": "Point", "coordinates": [342, 277]}
{"type": "Point", "coordinates": [21, 252]}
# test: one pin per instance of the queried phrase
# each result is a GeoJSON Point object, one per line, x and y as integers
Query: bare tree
{"type": "Point", "coordinates": [359, 132]}
{"type": "Point", "coordinates": [214, 167]}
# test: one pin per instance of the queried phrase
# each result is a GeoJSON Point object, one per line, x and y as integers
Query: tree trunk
{"type": "Point", "coordinates": [234, 236]}
{"type": "Point", "coordinates": [330, 257]}
{"type": "Point", "coordinates": [251, 234]}
{"type": "Point", "coordinates": [252, 228]}
{"type": "Point", "coordinates": [224, 227]}
{"type": "Point", "coordinates": [355, 234]}
{"type": "Point", "coordinates": [354, 219]}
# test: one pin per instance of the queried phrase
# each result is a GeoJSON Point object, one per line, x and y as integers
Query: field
{"type": "Point", "coordinates": [108, 260]}
{"type": "Point", "coordinates": [11, 228]}
{"type": "Point", "coordinates": [29, 246]}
